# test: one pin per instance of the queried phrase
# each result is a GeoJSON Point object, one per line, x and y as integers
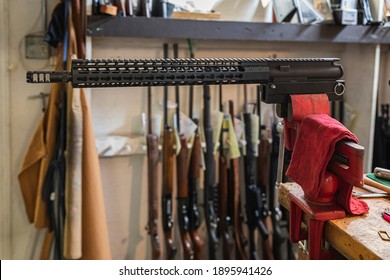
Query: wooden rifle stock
{"type": "Point", "coordinates": [194, 169]}
{"type": "Point", "coordinates": [182, 198]}
{"type": "Point", "coordinates": [193, 178]}
{"type": "Point", "coordinates": [168, 161]}
{"type": "Point", "coordinates": [197, 244]}
{"type": "Point", "coordinates": [224, 218]}
{"type": "Point", "coordinates": [152, 144]}
{"type": "Point", "coordinates": [240, 240]}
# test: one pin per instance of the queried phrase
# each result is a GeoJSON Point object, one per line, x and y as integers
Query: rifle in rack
{"type": "Point", "coordinates": [276, 176]}
{"type": "Point", "coordinates": [193, 181]}
{"type": "Point", "coordinates": [240, 240]}
{"type": "Point", "coordinates": [152, 148]}
{"type": "Point", "coordinates": [224, 196]}
{"type": "Point", "coordinates": [209, 177]}
{"type": "Point", "coordinates": [263, 169]}
{"type": "Point", "coordinates": [182, 181]}
{"type": "Point", "coordinates": [167, 174]}
{"type": "Point", "coordinates": [253, 199]}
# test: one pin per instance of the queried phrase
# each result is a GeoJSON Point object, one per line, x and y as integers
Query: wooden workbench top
{"type": "Point", "coordinates": [356, 237]}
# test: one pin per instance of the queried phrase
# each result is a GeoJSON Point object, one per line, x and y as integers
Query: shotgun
{"type": "Point", "coordinates": [209, 177]}
{"type": "Point", "coordinates": [168, 164]}
{"type": "Point", "coordinates": [182, 199]}
{"type": "Point", "coordinates": [240, 240]}
{"type": "Point", "coordinates": [182, 183]}
{"type": "Point", "coordinates": [224, 199]}
{"type": "Point", "coordinates": [193, 181]}
{"type": "Point", "coordinates": [153, 154]}
{"type": "Point", "coordinates": [263, 162]}
{"type": "Point", "coordinates": [253, 199]}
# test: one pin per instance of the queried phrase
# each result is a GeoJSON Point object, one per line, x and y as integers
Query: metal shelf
{"type": "Point", "coordinates": [141, 27]}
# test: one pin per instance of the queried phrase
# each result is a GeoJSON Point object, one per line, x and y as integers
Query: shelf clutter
{"type": "Point", "coordinates": [290, 26]}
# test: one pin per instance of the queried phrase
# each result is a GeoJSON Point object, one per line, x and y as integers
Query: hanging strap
{"type": "Point", "coordinates": [53, 191]}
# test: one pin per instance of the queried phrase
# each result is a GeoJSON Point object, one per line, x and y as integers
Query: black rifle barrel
{"type": "Point", "coordinates": [279, 76]}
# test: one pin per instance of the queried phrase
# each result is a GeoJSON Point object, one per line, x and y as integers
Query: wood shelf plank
{"type": "Point", "coordinates": [141, 27]}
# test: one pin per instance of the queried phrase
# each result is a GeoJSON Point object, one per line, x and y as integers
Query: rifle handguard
{"type": "Point", "coordinates": [279, 77]}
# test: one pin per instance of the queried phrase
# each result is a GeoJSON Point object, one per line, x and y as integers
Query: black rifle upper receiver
{"type": "Point", "coordinates": [279, 77]}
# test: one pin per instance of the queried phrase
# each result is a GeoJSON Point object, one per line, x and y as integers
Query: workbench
{"type": "Point", "coordinates": [355, 237]}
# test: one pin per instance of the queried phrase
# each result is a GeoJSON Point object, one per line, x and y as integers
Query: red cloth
{"type": "Point", "coordinates": [315, 145]}
{"type": "Point", "coordinates": [303, 105]}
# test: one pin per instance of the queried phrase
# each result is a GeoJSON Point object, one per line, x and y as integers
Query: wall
{"type": "Point", "coordinates": [24, 18]}
{"type": "Point", "coordinates": [5, 157]}
{"type": "Point", "coordinates": [384, 78]}
{"type": "Point", "coordinates": [118, 112]}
